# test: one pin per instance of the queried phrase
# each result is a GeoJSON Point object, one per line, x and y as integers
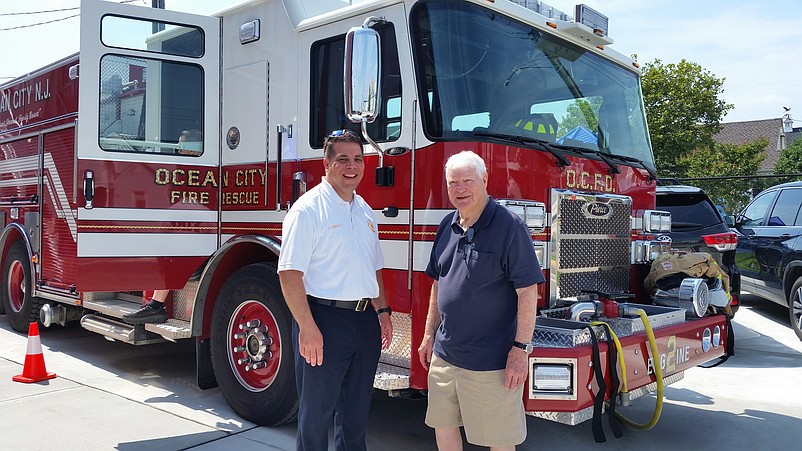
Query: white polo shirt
{"type": "Point", "coordinates": [334, 243]}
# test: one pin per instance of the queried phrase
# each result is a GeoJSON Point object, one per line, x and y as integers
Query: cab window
{"type": "Point", "coordinates": [327, 110]}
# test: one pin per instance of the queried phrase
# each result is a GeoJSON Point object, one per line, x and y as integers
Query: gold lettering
{"type": "Point", "coordinates": [193, 177]}
{"type": "Point", "coordinates": [162, 176]}
{"type": "Point", "coordinates": [210, 179]}
{"type": "Point", "coordinates": [176, 174]}
{"type": "Point", "coordinates": [583, 180]}
{"type": "Point", "coordinates": [671, 349]}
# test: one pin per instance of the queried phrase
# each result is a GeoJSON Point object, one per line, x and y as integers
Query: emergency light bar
{"type": "Point", "coordinates": [592, 18]}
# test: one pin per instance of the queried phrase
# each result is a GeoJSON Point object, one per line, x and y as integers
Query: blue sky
{"type": "Point", "coordinates": [754, 45]}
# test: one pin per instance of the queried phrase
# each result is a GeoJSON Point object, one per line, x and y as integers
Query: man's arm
{"type": "Point", "coordinates": [310, 340]}
{"type": "Point", "coordinates": [384, 318]}
{"type": "Point", "coordinates": [432, 322]}
{"type": "Point", "coordinates": [518, 359]}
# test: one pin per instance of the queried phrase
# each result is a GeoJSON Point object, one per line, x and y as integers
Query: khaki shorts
{"type": "Point", "coordinates": [477, 400]}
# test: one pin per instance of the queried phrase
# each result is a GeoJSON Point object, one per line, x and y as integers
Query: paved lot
{"type": "Point", "coordinates": [111, 395]}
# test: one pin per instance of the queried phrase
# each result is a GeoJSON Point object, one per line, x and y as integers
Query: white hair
{"type": "Point", "coordinates": [466, 159]}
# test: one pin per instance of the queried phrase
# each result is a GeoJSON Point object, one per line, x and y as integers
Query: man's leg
{"type": "Point", "coordinates": [448, 439]}
{"type": "Point", "coordinates": [353, 407]}
{"type": "Point", "coordinates": [319, 386]}
{"type": "Point", "coordinates": [443, 411]}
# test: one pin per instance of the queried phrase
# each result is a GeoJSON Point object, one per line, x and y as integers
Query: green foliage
{"type": "Point", "coordinates": [582, 112]}
{"type": "Point", "coordinates": [726, 160]}
{"type": "Point", "coordinates": [790, 162]}
{"type": "Point", "coordinates": [683, 110]}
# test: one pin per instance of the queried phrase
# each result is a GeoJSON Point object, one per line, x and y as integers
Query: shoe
{"type": "Point", "coordinates": [145, 315]}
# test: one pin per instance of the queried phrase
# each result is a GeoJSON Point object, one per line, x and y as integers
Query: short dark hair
{"type": "Point", "coordinates": [339, 136]}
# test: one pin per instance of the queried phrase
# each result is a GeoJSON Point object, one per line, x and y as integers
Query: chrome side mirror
{"type": "Point", "coordinates": [362, 69]}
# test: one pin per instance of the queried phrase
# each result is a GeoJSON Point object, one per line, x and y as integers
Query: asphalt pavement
{"type": "Point", "coordinates": [110, 395]}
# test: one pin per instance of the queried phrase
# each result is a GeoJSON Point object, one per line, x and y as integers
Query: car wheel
{"type": "Point", "coordinates": [795, 308]}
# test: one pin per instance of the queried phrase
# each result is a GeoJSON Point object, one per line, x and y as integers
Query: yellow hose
{"type": "Point", "coordinates": [658, 374]}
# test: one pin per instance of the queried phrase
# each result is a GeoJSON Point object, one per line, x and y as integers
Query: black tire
{"type": "Point", "coordinates": [21, 308]}
{"type": "Point", "coordinates": [265, 395]}
{"type": "Point", "coordinates": [795, 308]}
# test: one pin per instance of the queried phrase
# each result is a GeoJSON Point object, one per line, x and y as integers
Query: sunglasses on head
{"type": "Point", "coordinates": [337, 133]}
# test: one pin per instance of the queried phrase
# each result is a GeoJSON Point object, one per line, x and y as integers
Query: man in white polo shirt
{"type": "Point", "coordinates": [330, 272]}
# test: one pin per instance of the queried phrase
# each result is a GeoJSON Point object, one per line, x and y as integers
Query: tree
{"type": "Point", "coordinates": [790, 161]}
{"type": "Point", "coordinates": [582, 112]}
{"type": "Point", "coordinates": [726, 160]}
{"type": "Point", "coordinates": [683, 110]}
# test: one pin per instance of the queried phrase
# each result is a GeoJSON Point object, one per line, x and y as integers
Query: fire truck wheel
{"type": "Point", "coordinates": [795, 308]}
{"type": "Point", "coordinates": [251, 347]}
{"type": "Point", "coordinates": [21, 308]}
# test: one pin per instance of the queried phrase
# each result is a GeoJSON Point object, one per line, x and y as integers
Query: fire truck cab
{"type": "Point", "coordinates": [166, 153]}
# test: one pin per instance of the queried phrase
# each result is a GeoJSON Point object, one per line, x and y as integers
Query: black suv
{"type": "Point", "coordinates": [697, 226]}
{"type": "Point", "coordinates": [769, 252]}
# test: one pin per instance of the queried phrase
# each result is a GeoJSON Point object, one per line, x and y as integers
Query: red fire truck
{"type": "Point", "coordinates": [101, 201]}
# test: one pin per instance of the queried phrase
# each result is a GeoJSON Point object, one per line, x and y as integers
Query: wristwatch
{"type": "Point", "coordinates": [387, 310]}
{"type": "Point", "coordinates": [525, 346]}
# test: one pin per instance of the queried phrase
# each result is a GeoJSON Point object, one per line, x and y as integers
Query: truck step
{"type": "Point", "coordinates": [391, 377]}
{"type": "Point", "coordinates": [172, 330]}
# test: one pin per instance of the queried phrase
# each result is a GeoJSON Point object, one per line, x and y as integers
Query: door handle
{"type": "Point", "coordinates": [89, 189]}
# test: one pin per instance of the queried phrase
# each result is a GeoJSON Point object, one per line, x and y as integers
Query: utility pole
{"type": "Point", "coordinates": [157, 26]}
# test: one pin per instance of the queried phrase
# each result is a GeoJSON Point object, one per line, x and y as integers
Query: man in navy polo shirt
{"type": "Point", "coordinates": [481, 315]}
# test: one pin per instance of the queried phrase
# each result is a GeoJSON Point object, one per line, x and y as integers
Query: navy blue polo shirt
{"type": "Point", "coordinates": [477, 282]}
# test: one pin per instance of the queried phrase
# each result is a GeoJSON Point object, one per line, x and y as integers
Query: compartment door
{"type": "Point", "coordinates": [148, 146]}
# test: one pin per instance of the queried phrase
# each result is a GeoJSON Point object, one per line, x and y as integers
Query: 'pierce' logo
{"type": "Point", "coordinates": [597, 210]}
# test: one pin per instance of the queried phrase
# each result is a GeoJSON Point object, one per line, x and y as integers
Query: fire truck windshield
{"type": "Point", "coordinates": [482, 74]}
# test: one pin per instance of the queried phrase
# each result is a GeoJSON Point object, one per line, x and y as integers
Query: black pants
{"type": "Point", "coordinates": [342, 387]}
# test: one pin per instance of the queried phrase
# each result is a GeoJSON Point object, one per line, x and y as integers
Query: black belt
{"type": "Point", "coordinates": [357, 305]}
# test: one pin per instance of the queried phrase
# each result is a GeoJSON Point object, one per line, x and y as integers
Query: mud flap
{"type": "Point", "coordinates": [203, 364]}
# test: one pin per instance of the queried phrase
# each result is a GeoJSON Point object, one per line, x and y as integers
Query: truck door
{"type": "Point", "coordinates": [147, 146]}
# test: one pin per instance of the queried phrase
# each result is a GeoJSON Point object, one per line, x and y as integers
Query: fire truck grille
{"type": "Point", "coordinates": [591, 243]}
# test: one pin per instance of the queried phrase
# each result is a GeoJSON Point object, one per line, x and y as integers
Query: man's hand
{"type": "Point", "coordinates": [310, 344]}
{"type": "Point", "coordinates": [516, 370]}
{"type": "Point", "coordinates": [425, 351]}
{"type": "Point", "coordinates": [387, 330]}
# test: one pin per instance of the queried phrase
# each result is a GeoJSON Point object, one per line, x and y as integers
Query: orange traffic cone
{"type": "Point", "coordinates": [34, 369]}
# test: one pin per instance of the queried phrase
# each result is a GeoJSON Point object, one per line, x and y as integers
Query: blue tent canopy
{"type": "Point", "coordinates": [580, 133]}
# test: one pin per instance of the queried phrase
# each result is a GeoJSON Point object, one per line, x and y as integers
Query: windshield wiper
{"type": "Point", "coordinates": [532, 143]}
{"type": "Point", "coordinates": [613, 167]}
{"type": "Point", "coordinates": [652, 173]}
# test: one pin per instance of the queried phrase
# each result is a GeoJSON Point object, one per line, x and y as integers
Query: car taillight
{"type": "Point", "coordinates": [727, 241]}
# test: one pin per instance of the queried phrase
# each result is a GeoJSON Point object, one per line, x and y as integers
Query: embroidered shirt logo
{"type": "Point", "coordinates": [370, 225]}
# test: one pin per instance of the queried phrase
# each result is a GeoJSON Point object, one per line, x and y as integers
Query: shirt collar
{"type": "Point", "coordinates": [332, 193]}
{"type": "Point", "coordinates": [484, 218]}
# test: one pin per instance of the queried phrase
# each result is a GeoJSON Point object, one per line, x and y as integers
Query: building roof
{"type": "Point", "coordinates": [740, 133]}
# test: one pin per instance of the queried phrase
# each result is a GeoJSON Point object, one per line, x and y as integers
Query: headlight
{"type": "Point", "coordinates": [542, 252]}
{"type": "Point", "coordinates": [532, 213]}
{"type": "Point", "coordinates": [656, 221]}
{"type": "Point", "coordinates": [552, 378]}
